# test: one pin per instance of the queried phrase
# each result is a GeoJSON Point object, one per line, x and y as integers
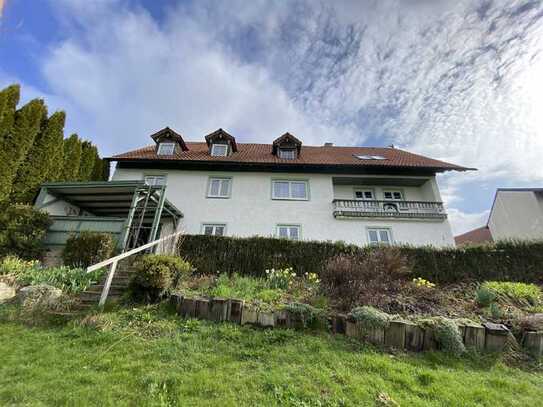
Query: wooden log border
{"type": "Point", "coordinates": [401, 335]}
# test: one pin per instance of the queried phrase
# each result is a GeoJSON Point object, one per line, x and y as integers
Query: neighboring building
{"type": "Point", "coordinates": [358, 195]}
{"type": "Point", "coordinates": [516, 214]}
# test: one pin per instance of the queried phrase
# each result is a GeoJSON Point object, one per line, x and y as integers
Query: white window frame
{"type": "Point", "coordinates": [214, 147]}
{"type": "Point", "coordinates": [363, 191]}
{"type": "Point", "coordinates": [214, 227]}
{"type": "Point", "coordinates": [221, 180]}
{"type": "Point", "coordinates": [163, 146]}
{"type": "Point", "coordinates": [287, 152]}
{"type": "Point", "coordinates": [154, 177]}
{"type": "Point", "coordinates": [290, 197]}
{"type": "Point", "coordinates": [388, 230]}
{"type": "Point", "coordinates": [392, 192]}
{"type": "Point", "coordinates": [289, 226]}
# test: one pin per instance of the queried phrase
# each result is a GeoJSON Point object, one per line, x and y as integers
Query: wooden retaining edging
{"type": "Point", "coordinates": [401, 335]}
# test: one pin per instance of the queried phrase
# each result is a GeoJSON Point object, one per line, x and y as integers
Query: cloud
{"type": "Point", "coordinates": [462, 222]}
{"type": "Point", "coordinates": [458, 81]}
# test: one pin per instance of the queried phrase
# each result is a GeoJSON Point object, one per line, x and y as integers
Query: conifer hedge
{"type": "Point", "coordinates": [503, 261]}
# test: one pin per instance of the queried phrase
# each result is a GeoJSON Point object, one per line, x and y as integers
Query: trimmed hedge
{"type": "Point", "coordinates": [503, 261]}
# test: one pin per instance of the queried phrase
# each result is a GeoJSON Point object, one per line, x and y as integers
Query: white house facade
{"type": "Point", "coordinates": [285, 189]}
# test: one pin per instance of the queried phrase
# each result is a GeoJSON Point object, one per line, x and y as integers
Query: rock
{"type": "Point", "coordinates": [7, 292]}
{"type": "Point", "coordinates": [40, 296]}
{"type": "Point", "coordinates": [533, 322]}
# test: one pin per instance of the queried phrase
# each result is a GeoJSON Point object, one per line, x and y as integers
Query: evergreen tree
{"type": "Point", "coordinates": [72, 158]}
{"type": "Point", "coordinates": [99, 172]}
{"type": "Point", "coordinates": [57, 158]}
{"type": "Point", "coordinates": [9, 97]}
{"type": "Point", "coordinates": [17, 142]}
{"type": "Point", "coordinates": [88, 158]}
{"type": "Point", "coordinates": [36, 167]}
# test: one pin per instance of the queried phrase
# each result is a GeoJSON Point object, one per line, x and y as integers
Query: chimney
{"type": "Point", "coordinates": [328, 144]}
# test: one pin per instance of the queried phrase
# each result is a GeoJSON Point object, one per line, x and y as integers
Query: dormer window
{"type": "Point", "coordinates": [166, 148]}
{"type": "Point", "coordinates": [287, 147]}
{"type": "Point", "coordinates": [287, 153]}
{"type": "Point", "coordinates": [219, 150]}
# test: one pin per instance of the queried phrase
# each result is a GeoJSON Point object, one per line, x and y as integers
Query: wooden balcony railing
{"type": "Point", "coordinates": [388, 209]}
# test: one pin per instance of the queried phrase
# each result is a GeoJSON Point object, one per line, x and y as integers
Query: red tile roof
{"type": "Point", "coordinates": [250, 153]}
{"type": "Point", "coordinates": [479, 235]}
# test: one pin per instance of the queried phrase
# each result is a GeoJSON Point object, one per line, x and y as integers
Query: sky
{"type": "Point", "coordinates": [460, 81]}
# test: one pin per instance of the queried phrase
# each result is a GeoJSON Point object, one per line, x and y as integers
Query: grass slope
{"type": "Point", "coordinates": [139, 357]}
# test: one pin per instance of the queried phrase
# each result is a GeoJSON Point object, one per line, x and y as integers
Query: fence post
{"type": "Point", "coordinates": [107, 285]}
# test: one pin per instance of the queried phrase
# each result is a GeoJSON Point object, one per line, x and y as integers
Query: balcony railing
{"type": "Point", "coordinates": [388, 209]}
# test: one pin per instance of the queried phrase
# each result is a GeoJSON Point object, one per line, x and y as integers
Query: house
{"type": "Point", "coordinates": [286, 189]}
{"type": "Point", "coordinates": [516, 214]}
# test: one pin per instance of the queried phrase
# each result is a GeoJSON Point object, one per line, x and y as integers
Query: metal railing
{"type": "Point", "coordinates": [167, 246]}
{"type": "Point", "coordinates": [388, 209]}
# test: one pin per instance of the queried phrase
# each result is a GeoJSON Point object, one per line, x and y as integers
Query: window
{"type": "Point", "coordinates": [220, 150]}
{"type": "Point", "coordinates": [297, 190]}
{"type": "Point", "coordinates": [363, 194]}
{"type": "Point", "coordinates": [155, 180]}
{"type": "Point", "coordinates": [219, 188]}
{"type": "Point", "coordinates": [287, 154]}
{"type": "Point", "coordinates": [166, 148]}
{"type": "Point", "coordinates": [379, 236]}
{"type": "Point", "coordinates": [370, 157]}
{"type": "Point", "coordinates": [214, 229]}
{"type": "Point", "coordinates": [393, 195]}
{"type": "Point", "coordinates": [288, 232]}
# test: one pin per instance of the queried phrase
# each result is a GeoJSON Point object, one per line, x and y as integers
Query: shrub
{"type": "Point", "coordinates": [356, 279]}
{"type": "Point", "coordinates": [156, 275]}
{"type": "Point", "coordinates": [309, 316]}
{"type": "Point", "coordinates": [446, 334]}
{"type": "Point", "coordinates": [519, 293]}
{"type": "Point", "coordinates": [87, 248]}
{"type": "Point", "coordinates": [370, 317]}
{"type": "Point", "coordinates": [485, 297]}
{"type": "Point", "coordinates": [22, 231]}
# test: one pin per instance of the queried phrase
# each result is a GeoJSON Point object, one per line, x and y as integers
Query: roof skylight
{"type": "Point", "coordinates": [370, 157]}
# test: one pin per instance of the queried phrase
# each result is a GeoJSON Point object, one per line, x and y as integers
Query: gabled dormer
{"type": "Point", "coordinates": [168, 142]}
{"type": "Point", "coordinates": [221, 144]}
{"type": "Point", "coordinates": [287, 147]}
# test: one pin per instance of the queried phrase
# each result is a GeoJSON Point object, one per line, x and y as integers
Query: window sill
{"type": "Point", "coordinates": [217, 197]}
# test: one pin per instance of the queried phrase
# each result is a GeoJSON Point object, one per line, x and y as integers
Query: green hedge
{"type": "Point", "coordinates": [503, 261]}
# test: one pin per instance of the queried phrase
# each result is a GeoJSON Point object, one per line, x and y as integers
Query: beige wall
{"type": "Point", "coordinates": [517, 215]}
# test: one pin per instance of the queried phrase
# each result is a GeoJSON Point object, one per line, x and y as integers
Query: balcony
{"type": "Point", "coordinates": [349, 208]}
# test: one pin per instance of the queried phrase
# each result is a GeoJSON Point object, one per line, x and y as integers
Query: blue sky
{"type": "Point", "coordinates": [461, 81]}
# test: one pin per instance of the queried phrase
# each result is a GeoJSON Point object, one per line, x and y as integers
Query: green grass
{"type": "Point", "coordinates": [148, 357]}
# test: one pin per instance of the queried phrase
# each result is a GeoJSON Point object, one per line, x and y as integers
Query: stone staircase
{"type": "Point", "coordinates": [91, 296]}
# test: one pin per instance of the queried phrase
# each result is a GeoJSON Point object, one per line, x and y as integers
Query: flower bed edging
{"type": "Point", "coordinates": [402, 335]}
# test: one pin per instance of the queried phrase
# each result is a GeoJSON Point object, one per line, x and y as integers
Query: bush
{"type": "Point", "coordinates": [518, 293]}
{"type": "Point", "coordinates": [87, 248]}
{"type": "Point", "coordinates": [22, 231]}
{"type": "Point", "coordinates": [505, 261]}
{"type": "Point", "coordinates": [309, 316]}
{"type": "Point", "coordinates": [485, 297]}
{"type": "Point", "coordinates": [156, 275]}
{"type": "Point", "coordinates": [72, 280]}
{"type": "Point", "coordinates": [370, 317]}
{"type": "Point", "coordinates": [356, 279]}
{"type": "Point", "coordinates": [446, 334]}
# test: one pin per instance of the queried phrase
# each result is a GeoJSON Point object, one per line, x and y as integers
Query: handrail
{"type": "Point", "coordinates": [130, 252]}
{"type": "Point", "coordinates": [115, 260]}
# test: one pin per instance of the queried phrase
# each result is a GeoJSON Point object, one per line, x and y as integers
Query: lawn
{"type": "Point", "coordinates": [146, 356]}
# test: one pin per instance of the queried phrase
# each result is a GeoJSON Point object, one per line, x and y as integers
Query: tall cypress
{"type": "Point", "coordinates": [17, 142]}
{"type": "Point", "coordinates": [36, 167]}
{"type": "Point", "coordinates": [9, 97]}
{"type": "Point", "coordinates": [99, 172]}
{"type": "Point", "coordinates": [72, 158]}
{"type": "Point", "coordinates": [88, 154]}
{"type": "Point", "coordinates": [57, 159]}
